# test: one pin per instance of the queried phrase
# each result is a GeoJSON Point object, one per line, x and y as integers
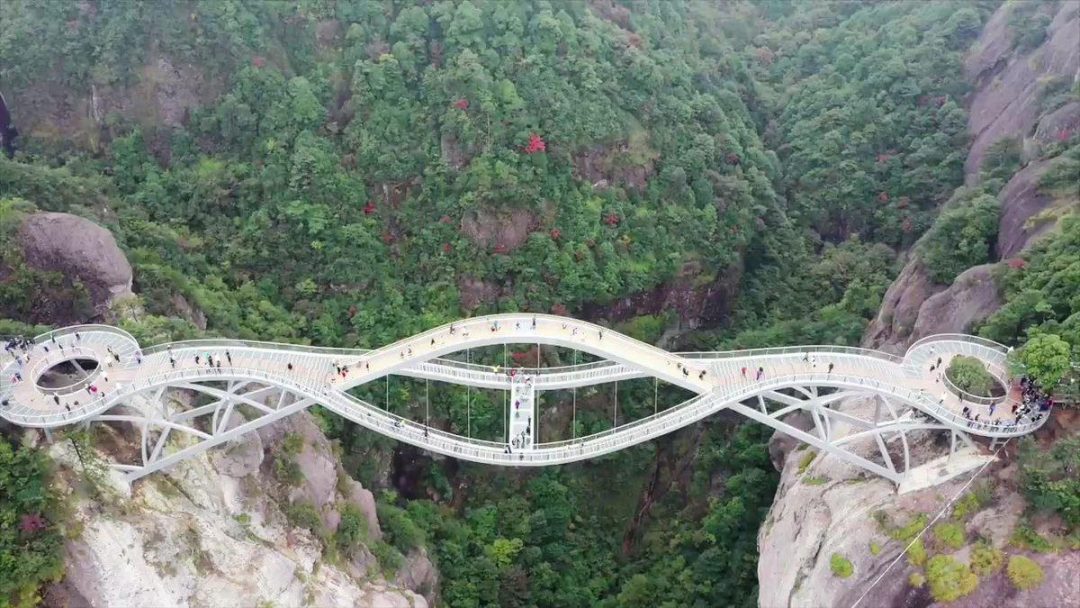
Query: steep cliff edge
{"type": "Point", "coordinates": [833, 531]}
{"type": "Point", "coordinates": [1012, 85]}
{"type": "Point", "coordinates": [225, 529]}
{"type": "Point", "coordinates": [826, 508]}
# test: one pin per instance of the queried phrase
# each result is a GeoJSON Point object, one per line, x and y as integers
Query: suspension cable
{"type": "Point", "coordinates": [573, 425]}
{"type": "Point", "coordinates": [468, 402]}
{"type": "Point", "coordinates": [506, 396]}
{"type": "Point", "coordinates": [615, 420]}
{"type": "Point", "coordinates": [427, 401]}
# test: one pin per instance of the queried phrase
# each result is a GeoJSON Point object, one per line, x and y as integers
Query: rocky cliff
{"type": "Point", "coordinates": [825, 511]}
{"type": "Point", "coordinates": [829, 508]}
{"type": "Point", "coordinates": [1009, 101]}
{"type": "Point", "coordinates": [224, 529]}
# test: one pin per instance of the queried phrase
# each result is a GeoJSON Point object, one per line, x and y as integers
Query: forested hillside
{"type": "Point", "coordinates": [712, 175]}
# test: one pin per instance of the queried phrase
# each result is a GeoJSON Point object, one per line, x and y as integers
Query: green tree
{"type": "Point", "coordinates": [1046, 358]}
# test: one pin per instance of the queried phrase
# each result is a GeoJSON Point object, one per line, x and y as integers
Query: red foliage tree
{"type": "Point", "coordinates": [536, 144]}
{"type": "Point", "coordinates": [612, 220]}
{"type": "Point", "coordinates": [32, 522]}
{"type": "Point", "coordinates": [555, 234]}
{"type": "Point", "coordinates": [369, 208]}
{"type": "Point", "coordinates": [462, 104]}
{"type": "Point", "coordinates": [447, 248]}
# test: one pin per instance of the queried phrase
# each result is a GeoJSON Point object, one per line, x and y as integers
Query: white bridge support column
{"type": "Point", "coordinates": [522, 422]}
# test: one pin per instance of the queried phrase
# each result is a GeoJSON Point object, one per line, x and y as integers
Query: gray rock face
{"type": "Point", "coordinates": [834, 514]}
{"type": "Point", "coordinates": [418, 574]}
{"type": "Point", "coordinates": [194, 537]}
{"type": "Point", "coordinates": [241, 456]}
{"type": "Point", "coordinates": [80, 249]}
{"type": "Point", "coordinates": [1020, 201]}
{"type": "Point", "coordinates": [891, 330]}
{"type": "Point", "coordinates": [973, 296]}
{"type": "Point", "coordinates": [1006, 102]}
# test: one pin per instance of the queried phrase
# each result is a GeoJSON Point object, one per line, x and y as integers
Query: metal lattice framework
{"type": "Point", "coordinates": [268, 381]}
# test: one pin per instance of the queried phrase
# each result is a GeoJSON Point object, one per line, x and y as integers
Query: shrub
{"type": "Point", "coordinates": [352, 530]}
{"type": "Point", "coordinates": [1024, 572]}
{"type": "Point", "coordinates": [916, 580]}
{"type": "Point", "coordinates": [815, 480]}
{"type": "Point", "coordinates": [806, 460]}
{"type": "Point", "coordinates": [399, 529]}
{"type": "Point", "coordinates": [969, 374]}
{"type": "Point", "coordinates": [389, 557]}
{"type": "Point", "coordinates": [1025, 537]}
{"type": "Point", "coordinates": [917, 554]}
{"type": "Point", "coordinates": [304, 515]}
{"type": "Point", "coordinates": [950, 535]}
{"type": "Point", "coordinates": [907, 532]}
{"type": "Point", "coordinates": [972, 502]}
{"type": "Point", "coordinates": [288, 470]}
{"type": "Point", "coordinates": [986, 560]}
{"type": "Point", "coordinates": [875, 548]}
{"type": "Point", "coordinates": [292, 444]}
{"type": "Point", "coordinates": [1049, 480]}
{"type": "Point", "coordinates": [841, 566]}
{"type": "Point", "coordinates": [949, 579]}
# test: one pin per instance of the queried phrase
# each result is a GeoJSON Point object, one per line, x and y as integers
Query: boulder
{"type": "Point", "coordinates": [79, 249]}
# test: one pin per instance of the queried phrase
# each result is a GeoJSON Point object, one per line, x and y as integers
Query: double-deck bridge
{"type": "Point", "coordinates": [127, 384]}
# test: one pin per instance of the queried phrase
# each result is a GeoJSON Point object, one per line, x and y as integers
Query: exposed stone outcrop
{"type": "Point", "coordinates": [80, 250]}
{"type": "Point", "coordinates": [1021, 200]}
{"type": "Point", "coordinates": [1008, 85]}
{"type": "Point", "coordinates": [829, 509]}
{"type": "Point", "coordinates": [503, 231]}
{"type": "Point", "coordinates": [616, 165]}
{"type": "Point", "coordinates": [891, 330]}
{"type": "Point", "coordinates": [164, 94]}
{"type": "Point", "coordinates": [194, 537]}
{"type": "Point", "coordinates": [1005, 103]}
{"type": "Point", "coordinates": [973, 296]}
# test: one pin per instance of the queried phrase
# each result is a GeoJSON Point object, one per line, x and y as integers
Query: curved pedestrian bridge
{"type": "Point", "coordinates": [127, 383]}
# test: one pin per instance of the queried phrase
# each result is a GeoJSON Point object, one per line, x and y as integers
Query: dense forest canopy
{"type": "Point", "coordinates": [349, 173]}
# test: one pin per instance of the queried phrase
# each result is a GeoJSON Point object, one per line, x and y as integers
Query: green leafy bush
{"type": "Point", "coordinates": [1024, 572]}
{"type": "Point", "coordinates": [398, 528]}
{"type": "Point", "coordinates": [841, 566]}
{"type": "Point", "coordinates": [1049, 479]}
{"type": "Point", "coordinates": [949, 579]}
{"type": "Point", "coordinates": [806, 460]}
{"type": "Point", "coordinates": [973, 501]}
{"type": "Point", "coordinates": [916, 579]}
{"type": "Point", "coordinates": [986, 560]}
{"type": "Point", "coordinates": [352, 530]}
{"type": "Point", "coordinates": [969, 374]}
{"type": "Point", "coordinates": [304, 515]}
{"type": "Point", "coordinates": [950, 535]}
{"type": "Point", "coordinates": [916, 554]}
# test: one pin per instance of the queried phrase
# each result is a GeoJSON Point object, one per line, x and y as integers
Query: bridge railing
{"type": "Point", "coordinates": [791, 350]}
{"type": "Point", "coordinates": [958, 338]}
